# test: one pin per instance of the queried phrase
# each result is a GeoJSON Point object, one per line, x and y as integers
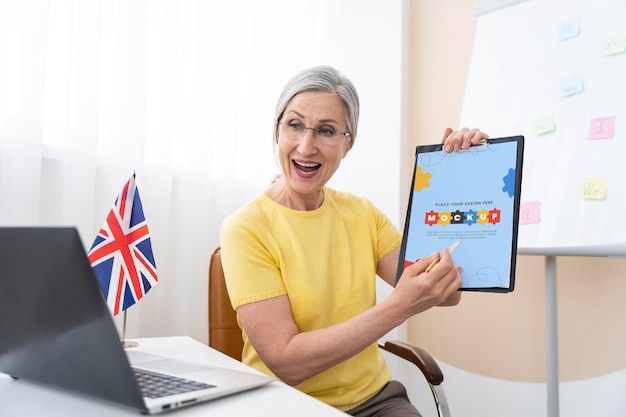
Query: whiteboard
{"type": "Point", "coordinates": [554, 71]}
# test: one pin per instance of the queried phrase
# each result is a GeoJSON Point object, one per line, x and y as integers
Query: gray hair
{"type": "Point", "coordinates": [323, 78]}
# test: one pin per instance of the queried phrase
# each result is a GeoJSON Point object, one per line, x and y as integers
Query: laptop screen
{"type": "Point", "coordinates": [56, 327]}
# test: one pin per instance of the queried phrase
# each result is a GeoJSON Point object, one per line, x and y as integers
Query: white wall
{"type": "Point", "coordinates": [182, 93]}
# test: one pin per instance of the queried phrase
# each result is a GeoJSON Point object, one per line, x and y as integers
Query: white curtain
{"type": "Point", "coordinates": [182, 93]}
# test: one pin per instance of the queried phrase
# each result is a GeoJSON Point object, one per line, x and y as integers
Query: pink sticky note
{"type": "Point", "coordinates": [602, 127]}
{"type": "Point", "coordinates": [529, 212]}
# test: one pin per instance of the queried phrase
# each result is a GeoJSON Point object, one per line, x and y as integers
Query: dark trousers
{"type": "Point", "coordinates": [391, 401]}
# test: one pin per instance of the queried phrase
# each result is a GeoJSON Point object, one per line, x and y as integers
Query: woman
{"type": "Point", "coordinates": [301, 259]}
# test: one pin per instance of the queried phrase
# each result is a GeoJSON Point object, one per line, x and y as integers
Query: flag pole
{"type": "Point", "coordinates": [126, 344]}
{"type": "Point", "coordinates": [126, 215]}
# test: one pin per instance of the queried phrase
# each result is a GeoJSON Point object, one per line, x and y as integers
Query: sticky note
{"type": "Point", "coordinates": [529, 212]}
{"type": "Point", "coordinates": [571, 85]}
{"type": "Point", "coordinates": [602, 127]}
{"type": "Point", "coordinates": [614, 45]}
{"type": "Point", "coordinates": [594, 188]}
{"type": "Point", "coordinates": [544, 124]}
{"type": "Point", "coordinates": [569, 29]}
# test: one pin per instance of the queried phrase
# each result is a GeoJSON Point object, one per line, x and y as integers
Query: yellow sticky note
{"type": "Point", "coordinates": [594, 188]}
{"type": "Point", "coordinates": [544, 124]}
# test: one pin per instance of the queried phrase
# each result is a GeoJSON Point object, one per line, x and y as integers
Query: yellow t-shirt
{"type": "Point", "coordinates": [325, 261]}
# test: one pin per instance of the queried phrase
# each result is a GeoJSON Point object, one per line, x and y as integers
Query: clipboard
{"type": "Point", "coordinates": [471, 196]}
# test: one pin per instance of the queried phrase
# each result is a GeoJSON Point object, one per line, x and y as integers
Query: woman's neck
{"type": "Point", "coordinates": [287, 197]}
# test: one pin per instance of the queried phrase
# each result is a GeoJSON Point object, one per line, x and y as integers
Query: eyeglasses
{"type": "Point", "coordinates": [326, 134]}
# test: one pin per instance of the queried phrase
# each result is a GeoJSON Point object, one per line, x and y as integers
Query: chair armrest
{"type": "Point", "coordinates": [417, 356]}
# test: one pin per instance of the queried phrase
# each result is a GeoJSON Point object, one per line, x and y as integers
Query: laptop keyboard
{"type": "Point", "coordinates": [156, 385]}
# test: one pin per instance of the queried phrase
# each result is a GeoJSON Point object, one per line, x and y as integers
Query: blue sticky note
{"type": "Point", "coordinates": [571, 85]}
{"type": "Point", "coordinates": [569, 29]}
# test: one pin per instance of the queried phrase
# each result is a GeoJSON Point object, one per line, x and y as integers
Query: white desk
{"type": "Point", "coordinates": [20, 398]}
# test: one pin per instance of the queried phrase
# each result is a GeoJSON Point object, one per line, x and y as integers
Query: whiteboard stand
{"type": "Point", "coordinates": [552, 338]}
{"type": "Point", "coordinates": [613, 250]}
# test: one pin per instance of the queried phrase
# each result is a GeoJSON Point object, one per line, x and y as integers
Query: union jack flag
{"type": "Point", "coordinates": [121, 255]}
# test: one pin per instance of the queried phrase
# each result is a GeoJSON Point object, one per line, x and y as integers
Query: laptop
{"type": "Point", "coordinates": [56, 330]}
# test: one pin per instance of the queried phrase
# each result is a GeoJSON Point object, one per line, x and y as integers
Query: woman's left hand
{"type": "Point", "coordinates": [456, 140]}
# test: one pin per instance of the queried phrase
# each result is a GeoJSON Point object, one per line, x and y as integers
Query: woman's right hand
{"type": "Point", "coordinates": [418, 290]}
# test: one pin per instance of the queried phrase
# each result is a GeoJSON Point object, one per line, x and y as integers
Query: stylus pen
{"type": "Point", "coordinates": [436, 261]}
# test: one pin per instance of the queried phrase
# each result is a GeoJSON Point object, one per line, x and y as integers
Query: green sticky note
{"type": "Point", "coordinates": [544, 124]}
{"type": "Point", "coordinates": [614, 45]}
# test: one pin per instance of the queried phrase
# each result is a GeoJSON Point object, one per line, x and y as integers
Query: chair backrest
{"type": "Point", "coordinates": [224, 332]}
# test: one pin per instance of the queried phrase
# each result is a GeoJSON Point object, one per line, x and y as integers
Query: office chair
{"type": "Point", "coordinates": [225, 336]}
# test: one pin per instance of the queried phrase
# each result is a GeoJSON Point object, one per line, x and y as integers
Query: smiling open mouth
{"type": "Point", "coordinates": [306, 168]}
